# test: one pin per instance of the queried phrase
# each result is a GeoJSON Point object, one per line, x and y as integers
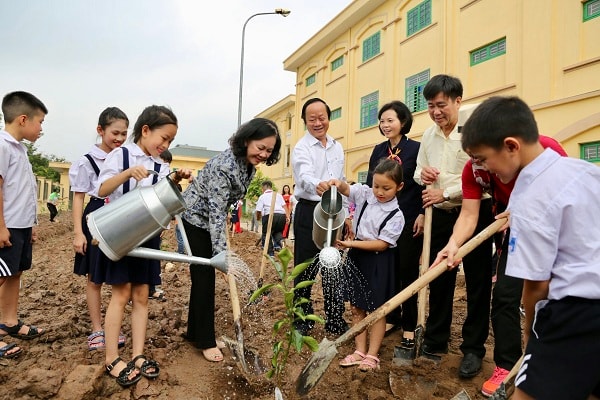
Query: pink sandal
{"type": "Point", "coordinates": [369, 363]}
{"type": "Point", "coordinates": [350, 360]}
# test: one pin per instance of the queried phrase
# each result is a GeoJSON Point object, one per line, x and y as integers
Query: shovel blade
{"type": "Point", "coordinates": [403, 356]}
{"type": "Point", "coordinates": [315, 367]}
{"type": "Point", "coordinates": [462, 395]}
{"type": "Point", "coordinates": [246, 357]}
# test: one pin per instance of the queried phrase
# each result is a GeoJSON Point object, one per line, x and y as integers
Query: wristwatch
{"type": "Point", "coordinates": [446, 195]}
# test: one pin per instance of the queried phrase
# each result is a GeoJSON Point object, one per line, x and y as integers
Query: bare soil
{"type": "Point", "coordinates": [58, 365]}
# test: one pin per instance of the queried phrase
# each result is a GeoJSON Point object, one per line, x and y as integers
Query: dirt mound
{"type": "Point", "coordinates": [59, 366]}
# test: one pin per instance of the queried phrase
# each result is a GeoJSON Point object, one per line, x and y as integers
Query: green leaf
{"type": "Point", "coordinates": [278, 325]}
{"type": "Point", "coordinates": [313, 317]}
{"type": "Point", "coordinates": [297, 340]}
{"type": "Point", "coordinates": [259, 292]}
{"type": "Point", "coordinates": [311, 342]}
{"type": "Point", "coordinates": [298, 269]}
{"type": "Point", "coordinates": [285, 255]}
{"type": "Point", "coordinates": [303, 284]}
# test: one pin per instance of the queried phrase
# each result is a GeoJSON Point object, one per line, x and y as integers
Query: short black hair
{"type": "Point", "coordinates": [496, 119]}
{"type": "Point", "coordinates": [21, 103]}
{"type": "Point", "coordinates": [255, 129]}
{"type": "Point", "coordinates": [448, 85]}
{"type": "Point", "coordinates": [311, 101]}
{"type": "Point", "coordinates": [267, 183]}
{"type": "Point", "coordinates": [402, 112]}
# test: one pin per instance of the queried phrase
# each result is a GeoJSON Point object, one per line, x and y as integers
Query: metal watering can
{"type": "Point", "coordinates": [121, 226]}
{"type": "Point", "coordinates": [328, 222]}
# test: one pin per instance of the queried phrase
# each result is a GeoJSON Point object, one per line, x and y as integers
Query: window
{"type": "Point", "coordinates": [362, 176]}
{"type": "Point", "coordinates": [590, 151]}
{"type": "Point", "coordinates": [371, 46]}
{"type": "Point", "coordinates": [335, 114]}
{"type": "Point", "coordinates": [591, 9]}
{"type": "Point", "coordinates": [311, 79]}
{"type": "Point", "coordinates": [338, 62]}
{"type": "Point", "coordinates": [488, 52]}
{"type": "Point", "coordinates": [368, 110]}
{"type": "Point", "coordinates": [418, 18]}
{"type": "Point", "coordinates": [414, 85]}
{"type": "Point", "coordinates": [288, 153]}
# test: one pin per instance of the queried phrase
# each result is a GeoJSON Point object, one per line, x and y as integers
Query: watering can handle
{"type": "Point", "coordinates": [333, 201]}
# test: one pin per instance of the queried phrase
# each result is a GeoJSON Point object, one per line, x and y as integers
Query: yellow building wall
{"type": "Point", "coordinates": [552, 61]}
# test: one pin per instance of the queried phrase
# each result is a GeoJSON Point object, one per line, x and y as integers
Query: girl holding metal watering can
{"type": "Point", "coordinates": [124, 168]}
{"type": "Point", "coordinates": [377, 225]}
{"type": "Point", "coordinates": [223, 181]}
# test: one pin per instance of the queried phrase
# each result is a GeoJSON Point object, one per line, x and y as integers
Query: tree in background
{"type": "Point", "coordinates": [255, 187]}
{"type": "Point", "coordinates": [41, 163]}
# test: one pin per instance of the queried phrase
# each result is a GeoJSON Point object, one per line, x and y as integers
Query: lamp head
{"type": "Point", "coordinates": [282, 11]}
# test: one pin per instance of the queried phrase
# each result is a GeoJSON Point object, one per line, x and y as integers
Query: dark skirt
{"type": "Point", "coordinates": [128, 269]}
{"type": "Point", "coordinates": [371, 282]}
{"type": "Point", "coordinates": [86, 263]}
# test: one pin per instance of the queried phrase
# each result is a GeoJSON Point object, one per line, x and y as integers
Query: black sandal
{"type": "Point", "coordinates": [407, 343]}
{"type": "Point", "coordinates": [13, 331]}
{"type": "Point", "coordinates": [123, 377]}
{"type": "Point", "coordinates": [146, 365]}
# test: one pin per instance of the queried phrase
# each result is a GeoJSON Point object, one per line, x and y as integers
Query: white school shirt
{"type": "Point", "coordinates": [447, 155]}
{"type": "Point", "coordinates": [82, 176]}
{"type": "Point", "coordinates": [264, 203]}
{"type": "Point", "coordinates": [555, 226]}
{"type": "Point", "coordinates": [113, 165]}
{"type": "Point", "coordinates": [20, 187]}
{"type": "Point", "coordinates": [312, 163]}
{"type": "Point", "coordinates": [373, 217]}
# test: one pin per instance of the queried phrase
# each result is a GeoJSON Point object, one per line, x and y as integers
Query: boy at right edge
{"type": "Point", "coordinates": [554, 245]}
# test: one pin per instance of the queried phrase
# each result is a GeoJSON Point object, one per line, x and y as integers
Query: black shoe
{"type": "Point", "coordinates": [336, 328]}
{"type": "Point", "coordinates": [469, 366]}
{"type": "Point", "coordinates": [434, 350]}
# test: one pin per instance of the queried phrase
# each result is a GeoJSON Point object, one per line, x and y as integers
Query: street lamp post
{"type": "Point", "coordinates": [279, 11]}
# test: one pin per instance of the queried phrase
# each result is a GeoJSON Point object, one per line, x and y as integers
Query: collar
{"type": "Point", "coordinates": [313, 141]}
{"type": "Point", "coordinates": [8, 137]}
{"type": "Point", "coordinates": [531, 171]}
{"type": "Point", "coordinates": [454, 135]}
{"type": "Point", "coordinates": [388, 206]}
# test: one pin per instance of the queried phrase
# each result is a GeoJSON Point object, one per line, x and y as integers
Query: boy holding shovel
{"type": "Point", "coordinates": [554, 245]}
{"type": "Point", "coordinates": [506, 295]}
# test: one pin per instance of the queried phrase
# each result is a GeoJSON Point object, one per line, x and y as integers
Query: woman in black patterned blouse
{"type": "Point", "coordinates": [223, 181]}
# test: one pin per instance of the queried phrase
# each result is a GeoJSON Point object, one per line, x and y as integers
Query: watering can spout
{"type": "Point", "coordinates": [220, 262]}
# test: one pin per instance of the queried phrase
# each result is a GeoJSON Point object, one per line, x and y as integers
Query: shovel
{"type": "Point", "coordinates": [247, 358]}
{"type": "Point", "coordinates": [402, 355]}
{"type": "Point", "coordinates": [319, 361]}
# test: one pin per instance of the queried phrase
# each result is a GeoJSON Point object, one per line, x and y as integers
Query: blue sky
{"type": "Point", "coordinates": [81, 56]}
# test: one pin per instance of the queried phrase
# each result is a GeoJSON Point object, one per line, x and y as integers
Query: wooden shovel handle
{"type": "Point", "coordinates": [422, 298]}
{"type": "Point", "coordinates": [263, 259]}
{"type": "Point", "coordinates": [424, 280]}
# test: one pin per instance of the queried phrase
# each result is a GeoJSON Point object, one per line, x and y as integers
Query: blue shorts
{"type": "Point", "coordinates": [17, 257]}
{"type": "Point", "coordinates": [561, 358]}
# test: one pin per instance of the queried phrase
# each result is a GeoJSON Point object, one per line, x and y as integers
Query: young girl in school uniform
{"type": "Point", "coordinates": [130, 277]}
{"type": "Point", "coordinates": [83, 174]}
{"type": "Point", "coordinates": [377, 224]}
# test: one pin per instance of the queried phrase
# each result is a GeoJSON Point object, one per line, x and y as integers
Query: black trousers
{"type": "Point", "coordinates": [304, 249]}
{"type": "Point", "coordinates": [53, 210]}
{"type": "Point", "coordinates": [277, 226]}
{"type": "Point", "coordinates": [478, 278]}
{"type": "Point", "coordinates": [506, 318]}
{"type": "Point", "coordinates": [408, 253]}
{"type": "Point", "coordinates": [201, 316]}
